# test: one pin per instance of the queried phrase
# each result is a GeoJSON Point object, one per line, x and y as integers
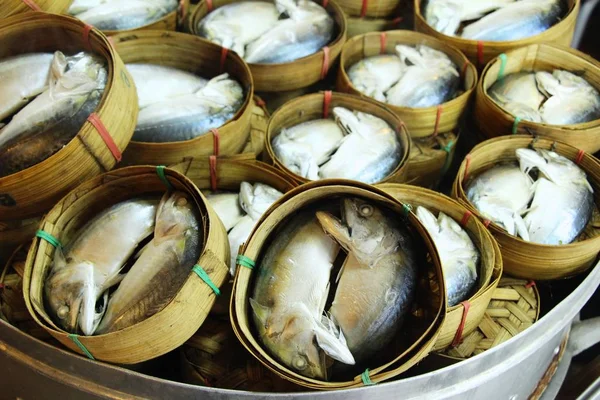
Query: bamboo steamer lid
{"type": "Point", "coordinates": [421, 122]}
{"type": "Point", "coordinates": [180, 318]}
{"type": "Point", "coordinates": [371, 8]}
{"type": "Point", "coordinates": [291, 75]}
{"type": "Point", "coordinates": [525, 259]}
{"type": "Point", "coordinates": [422, 325]}
{"type": "Point", "coordinates": [12, 7]}
{"type": "Point", "coordinates": [315, 106]}
{"type": "Point", "coordinates": [192, 54]}
{"type": "Point", "coordinates": [462, 318]}
{"type": "Point", "coordinates": [492, 120]}
{"type": "Point", "coordinates": [481, 52]}
{"type": "Point", "coordinates": [100, 141]}
{"type": "Point", "coordinates": [430, 158]}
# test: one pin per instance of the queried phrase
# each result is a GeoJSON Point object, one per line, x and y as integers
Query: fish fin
{"type": "Point", "coordinates": [261, 312]}
{"type": "Point", "coordinates": [60, 261]}
{"type": "Point", "coordinates": [521, 228]}
{"type": "Point", "coordinates": [246, 196]}
{"type": "Point", "coordinates": [334, 345]}
{"type": "Point", "coordinates": [334, 227]}
{"type": "Point", "coordinates": [114, 281]}
{"type": "Point", "coordinates": [339, 275]}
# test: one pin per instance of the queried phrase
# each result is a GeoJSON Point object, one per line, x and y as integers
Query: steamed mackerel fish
{"type": "Point", "coordinates": [458, 255]}
{"type": "Point", "coordinates": [90, 265]}
{"type": "Point", "coordinates": [518, 93]}
{"type": "Point", "coordinates": [289, 296]}
{"type": "Point", "coordinates": [162, 267]}
{"type": "Point", "coordinates": [374, 76]}
{"type": "Point", "coordinates": [54, 117]}
{"type": "Point", "coordinates": [378, 281]}
{"type": "Point", "coordinates": [445, 16]}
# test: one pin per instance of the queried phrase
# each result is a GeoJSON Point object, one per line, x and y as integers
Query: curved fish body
{"type": "Point", "coordinates": [518, 20]}
{"type": "Point", "coordinates": [161, 269]}
{"type": "Point", "coordinates": [130, 14]}
{"type": "Point", "coordinates": [156, 83]}
{"type": "Point", "coordinates": [502, 194]}
{"type": "Point", "coordinates": [458, 255]}
{"type": "Point", "coordinates": [518, 94]}
{"type": "Point", "coordinates": [90, 265]}
{"type": "Point", "coordinates": [256, 199]}
{"type": "Point", "coordinates": [445, 16]}
{"type": "Point", "coordinates": [289, 296]}
{"type": "Point", "coordinates": [373, 76]}
{"type": "Point", "coordinates": [227, 206]}
{"type": "Point", "coordinates": [378, 280]}
{"type": "Point", "coordinates": [21, 79]}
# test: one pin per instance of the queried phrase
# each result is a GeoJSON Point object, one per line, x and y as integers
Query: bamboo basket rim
{"type": "Point", "coordinates": [455, 52]}
{"type": "Point", "coordinates": [400, 129]}
{"type": "Point", "coordinates": [66, 5]}
{"type": "Point", "coordinates": [537, 47]}
{"type": "Point", "coordinates": [522, 141]}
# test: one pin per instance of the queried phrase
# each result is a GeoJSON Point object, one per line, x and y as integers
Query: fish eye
{"type": "Point", "coordinates": [366, 210]}
{"type": "Point", "coordinates": [62, 312]}
{"type": "Point", "coordinates": [299, 363]}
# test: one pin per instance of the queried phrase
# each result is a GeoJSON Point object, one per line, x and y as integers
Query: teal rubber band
{"type": "Point", "coordinates": [75, 340]}
{"type": "Point", "coordinates": [366, 379]}
{"type": "Point", "coordinates": [48, 238]}
{"type": "Point", "coordinates": [503, 60]}
{"type": "Point", "coordinates": [515, 124]}
{"type": "Point", "coordinates": [245, 261]}
{"type": "Point", "coordinates": [160, 171]}
{"type": "Point", "coordinates": [204, 276]}
{"type": "Point", "coordinates": [448, 149]}
{"type": "Point", "coordinates": [407, 209]}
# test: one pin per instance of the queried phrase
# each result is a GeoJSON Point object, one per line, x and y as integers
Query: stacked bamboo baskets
{"type": "Point", "coordinates": [461, 319]}
{"type": "Point", "coordinates": [258, 128]}
{"type": "Point", "coordinates": [15, 233]}
{"type": "Point", "coordinates": [430, 158]}
{"type": "Point", "coordinates": [12, 7]}
{"type": "Point", "coordinates": [320, 105]}
{"type": "Point", "coordinates": [422, 326]}
{"type": "Point", "coordinates": [373, 16]}
{"type": "Point", "coordinates": [493, 120]}
{"type": "Point", "coordinates": [292, 75]}
{"type": "Point", "coordinates": [180, 318]}
{"type": "Point", "coordinates": [481, 52]}
{"type": "Point", "coordinates": [189, 53]}
{"type": "Point", "coordinates": [98, 145]}
{"type": "Point", "coordinates": [525, 259]}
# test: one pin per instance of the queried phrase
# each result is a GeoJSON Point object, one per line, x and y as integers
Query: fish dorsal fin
{"type": "Point", "coordinates": [333, 343]}
{"type": "Point", "coordinates": [261, 312]}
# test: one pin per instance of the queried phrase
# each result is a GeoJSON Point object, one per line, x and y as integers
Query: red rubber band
{"type": "Point", "coordinates": [86, 36]}
{"type": "Point", "coordinates": [458, 337]}
{"type": "Point", "coordinates": [530, 284]}
{"type": "Point", "coordinates": [467, 165]}
{"type": "Point", "coordinates": [212, 163]}
{"type": "Point", "coordinates": [326, 102]}
{"type": "Point", "coordinates": [325, 3]}
{"type": "Point", "coordinates": [31, 4]}
{"type": "Point", "coordinates": [438, 116]}
{"type": "Point", "coordinates": [224, 52]}
{"type": "Point", "coordinates": [480, 53]}
{"type": "Point", "coordinates": [465, 218]}
{"type": "Point", "coordinates": [580, 155]}
{"type": "Point", "coordinates": [325, 67]}
{"type": "Point", "coordinates": [397, 20]}
{"type": "Point", "coordinates": [216, 141]}
{"type": "Point", "coordinates": [209, 5]}
{"type": "Point", "coordinates": [382, 40]}
{"type": "Point", "coordinates": [259, 102]}
{"type": "Point", "coordinates": [94, 119]}
{"type": "Point", "coordinates": [363, 10]}
{"type": "Point", "coordinates": [486, 223]}
{"type": "Point", "coordinates": [463, 73]}
{"type": "Point", "coordinates": [182, 10]}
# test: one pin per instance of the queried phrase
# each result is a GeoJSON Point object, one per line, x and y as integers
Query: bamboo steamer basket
{"type": "Point", "coordinates": [311, 107]}
{"type": "Point", "coordinates": [372, 9]}
{"type": "Point", "coordinates": [421, 122]}
{"type": "Point", "coordinates": [258, 128]}
{"type": "Point", "coordinates": [15, 233]}
{"type": "Point", "coordinates": [291, 75]}
{"type": "Point", "coordinates": [12, 7]}
{"type": "Point", "coordinates": [35, 189]}
{"type": "Point", "coordinates": [481, 52]}
{"type": "Point", "coordinates": [359, 26]}
{"type": "Point", "coordinates": [525, 259]}
{"type": "Point", "coordinates": [192, 54]}
{"type": "Point", "coordinates": [494, 121]}
{"type": "Point", "coordinates": [423, 323]}
{"type": "Point", "coordinates": [430, 158]}
{"type": "Point", "coordinates": [180, 318]}
{"type": "Point", "coordinates": [490, 264]}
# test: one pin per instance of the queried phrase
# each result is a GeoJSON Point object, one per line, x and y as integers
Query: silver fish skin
{"type": "Point", "coordinates": [458, 255]}
{"type": "Point", "coordinates": [289, 296]}
{"type": "Point", "coordinates": [130, 14]}
{"type": "Point", "coordinates": [256, 198]}
{"type": "Point", "coordinates": [162, 267]}
{"type": "Point", "coordinates": [377, 283]}
{"type": "Point", "coordinates": [188, 116]}
{"type": "Point", "coordinates": [518, 20]}
{"type": "Point", "coordinates": [502, 194]}
{"type": "Point", "coordinates": [518, 94]}
{"type": "Point", "coordinates": [369, 153]}
{"type": "Point", "coordinates": [445, 16]}
{"type": "Point", "coordinates": [90, 265]}
{"type": "Point", "coordinates": [227, 206]}
{"type": "Point", "coordinates": [373, 76]}
{"type": "Point", "coordinates": [22, 78]}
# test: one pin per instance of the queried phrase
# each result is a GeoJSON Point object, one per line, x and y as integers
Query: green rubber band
{"type": "Point", "coordinates": [515, 124]}
{"type": "Point", "coordinates": [245, 261]}
{"type": "Point", "coordinates": [204, 276]}
{"type": "Point", "coordinates": [407, 209]}
{"type": "Point", "coordinates": [448, 149]}
{"type": "Point", "coordinates": [503, 59]}
{"type": "Point", "coordinates": [48, 238]}
{"type": "Point", "coordinates": [366, 379]}
{"type": "Point", "coordinates": [75, 340]}
{"type": "Point", "coordinates": [160, 171]}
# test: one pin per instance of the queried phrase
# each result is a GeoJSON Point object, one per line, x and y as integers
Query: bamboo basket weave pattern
{"type": "Point", "coordinates": [12, 7]}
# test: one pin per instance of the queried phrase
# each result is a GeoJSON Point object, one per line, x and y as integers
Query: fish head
{"type": "Point", "coordinates": [174, 217]}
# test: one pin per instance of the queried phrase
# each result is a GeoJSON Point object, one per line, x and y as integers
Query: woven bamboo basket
{"type": "Point", "coordinates": [371, 9]}
{"type": "Point", "coordinates": [421, 122]}
{"type": "Point", "coordinates": [258, 128]}
{"type": "Point", "coordinates": [359, 26]}
{"type": "Point", "coordinates": [15, 233]}
{"type": "Point", "coordinates": [421, 327]}
{"type": "Point", "coordinates": [525, 259]}
{"type": "Point", "coordinates": [214, 357]}
{"type": "Point", "coordinates": [314, 106]}
{"type": "Point", "coordinates": [493, 121]}
{"type": "Point", "coordinates": [490, 267]}
{"type": "Point", "coordinates": [481, 52]}
{"type": "Point", "coordinates": [514, 307]}
{"type": "Point", "coordinates": [180, 318]}
{"type": "Point", "coordinates": [12, 7]}
{"type": "Point", "coordinates": [35, 189]}
{"type": "Point", "coordinates": [430, 159]}
{"type": "Point", "coordinates": [189, 53]}
{"type": "Point", "coordinates": [292, 75]}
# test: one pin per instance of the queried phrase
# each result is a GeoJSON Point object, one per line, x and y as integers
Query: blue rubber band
{"type": "Point", "coordinates": [75, 340]}
{"type": "Point", "coordinates": [245, 261]}
{"type": "Point", "coordinates": [48, 238]}
{"type": "Point", "coordinates": [204, 276]}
